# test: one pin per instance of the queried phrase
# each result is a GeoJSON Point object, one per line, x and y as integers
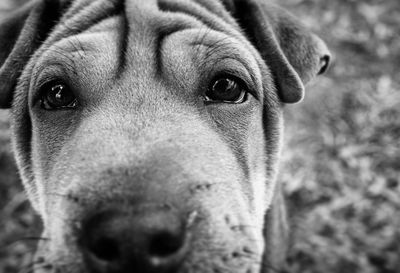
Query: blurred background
{"type": "Point", "coordinates": [341, 161]}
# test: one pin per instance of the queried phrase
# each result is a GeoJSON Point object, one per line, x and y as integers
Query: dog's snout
{"type": "Point", "coordinates": [148, 239]}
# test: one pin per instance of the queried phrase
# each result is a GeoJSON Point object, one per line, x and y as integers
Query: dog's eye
{"type": "Point", "coordinates": [226, 89]}
{"type": "Point", "coordinates": [57, 96]}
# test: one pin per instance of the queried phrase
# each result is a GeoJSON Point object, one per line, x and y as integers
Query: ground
{"type": "Point", "coordinates": [341, 161]}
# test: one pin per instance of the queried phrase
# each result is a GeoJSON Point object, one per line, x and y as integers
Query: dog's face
{"type": "Point", "coordinates": [147, 132]}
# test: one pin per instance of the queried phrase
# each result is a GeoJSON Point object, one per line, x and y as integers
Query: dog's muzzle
{"type": "Point", "coordinates": [148, 238]}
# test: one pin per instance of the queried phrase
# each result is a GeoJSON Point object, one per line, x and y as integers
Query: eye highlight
{"type": "Point", "coordinates": [57, 95]}
{"type": "Point", "coordinates": [226, 89]}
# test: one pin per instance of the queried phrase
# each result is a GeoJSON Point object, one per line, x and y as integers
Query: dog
{"type": "Point", "coordinates": [147, 132]}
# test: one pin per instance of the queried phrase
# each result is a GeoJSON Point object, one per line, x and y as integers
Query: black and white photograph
{"type": "Point", "coordinates": [199, 136]}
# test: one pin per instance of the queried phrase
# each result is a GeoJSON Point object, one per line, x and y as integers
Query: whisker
{"type": "Point", "coordinates": [32, 267]}
{"type": "Point", "coordinates": [264, 264]}
{"type": "Point", "coordinates": [30, 238]}
{"type": "Point", "coordinates": [243, 227]}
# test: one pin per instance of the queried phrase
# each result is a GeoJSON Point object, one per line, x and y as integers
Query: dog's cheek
{"type": "Point", "coordinates": [260, 182]}
{"type": "Point", "coordinates": [21, 128]}
{"type": "Point", "coordinates": [242, 128]}
{"type": "Point", "coordinates": [50, 133]}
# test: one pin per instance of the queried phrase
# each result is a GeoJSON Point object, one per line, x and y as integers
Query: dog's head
{"type": "Point", "coordinates": [147, 132]}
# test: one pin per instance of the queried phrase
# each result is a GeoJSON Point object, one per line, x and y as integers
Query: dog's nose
{"type": "Point", "coordinates": [148, 239]}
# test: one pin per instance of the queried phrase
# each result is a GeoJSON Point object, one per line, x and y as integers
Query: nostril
{"type": "Point", "coordinates": [147, 239]}
{"type": "Point", "coordinates": [105, 249]}
{"type": "Point", "coordinates": [165, 244]}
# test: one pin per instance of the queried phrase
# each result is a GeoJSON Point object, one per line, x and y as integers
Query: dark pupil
{"type": "Point", "coordinates": [59, 96]}
{"type": "Point", "coordinates": [226, 89]}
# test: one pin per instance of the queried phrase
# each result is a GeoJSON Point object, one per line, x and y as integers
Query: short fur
{"type": "Point", "coordinates": [142, 134]}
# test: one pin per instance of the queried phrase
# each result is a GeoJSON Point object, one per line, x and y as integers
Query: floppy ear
{"type": "Point", "coordinates": [21, 32]}
{"type": "Point", "coordinates": [293, 53]}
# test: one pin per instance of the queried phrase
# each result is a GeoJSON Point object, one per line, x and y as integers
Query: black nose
{"type": "Point", "coordinates": [148, 239]}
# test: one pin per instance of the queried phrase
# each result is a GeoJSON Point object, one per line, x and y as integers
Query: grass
{"type": "Point", "coordinates": [342, 157]}
{"type": "Point", "coordinates": [341, 162]}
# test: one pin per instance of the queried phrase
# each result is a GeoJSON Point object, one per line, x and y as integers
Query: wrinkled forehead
{"type": "Point", "coordinates": [134, 33]}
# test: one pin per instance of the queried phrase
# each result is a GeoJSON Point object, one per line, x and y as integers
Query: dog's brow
{"type": "Point", "coordinates": [161, 36]}
{"type": "Point", "coordinates": [77, 47]}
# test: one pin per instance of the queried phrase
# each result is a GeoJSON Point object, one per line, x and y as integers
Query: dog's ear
{"type": "Point", "coordinates": [21, 32]}
{"type": "Point", "coordinates": [293, 53]}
